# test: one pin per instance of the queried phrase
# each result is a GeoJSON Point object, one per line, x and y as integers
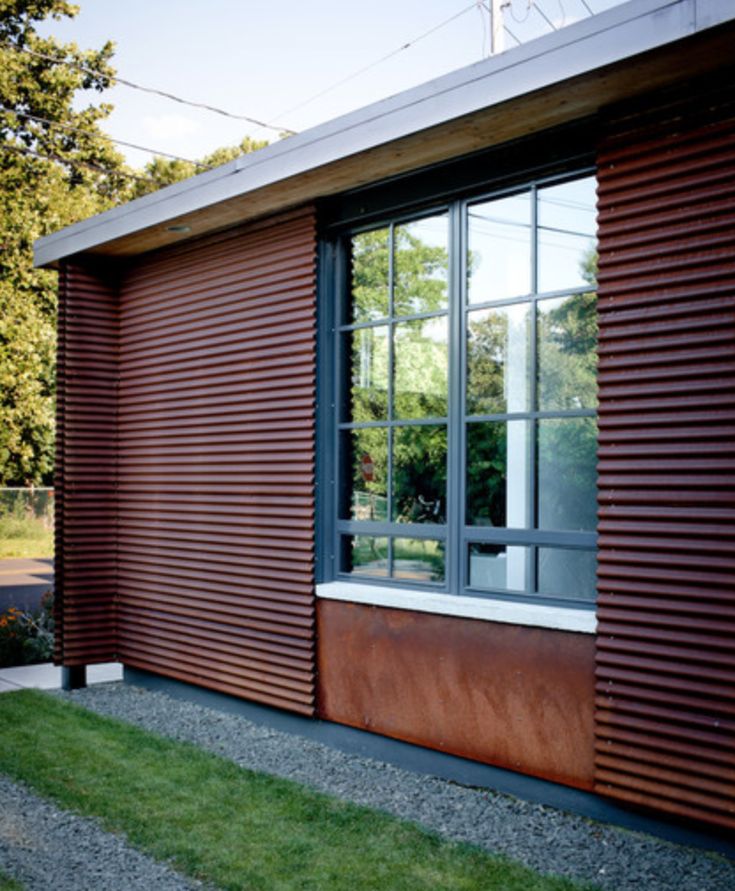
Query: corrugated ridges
{"type": "Point", "coordinates": [216, 463]}
{"type": "Point", "coordinates": [666, 645]}
{"type": "Point", "coordinates": [85, 474]}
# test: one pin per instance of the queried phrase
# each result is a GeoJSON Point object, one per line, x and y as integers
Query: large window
{"type": "Point", "coordinates": [466, 409]}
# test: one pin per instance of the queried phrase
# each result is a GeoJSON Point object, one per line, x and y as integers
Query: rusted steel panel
{"type": "Point", "coordinates": [665, 664]}
{"type": "Point", "coordinates": [216, 463]}
{"type": "Point", "coordinates": [85, 473]}
{"type": "Point", "coordinates": [520, 698]}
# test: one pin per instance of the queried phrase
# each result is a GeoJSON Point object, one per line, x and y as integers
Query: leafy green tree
{"type": "Point", "coordinates": [165, 171]}
{"type": "Point", "coordinates": [54, 164]}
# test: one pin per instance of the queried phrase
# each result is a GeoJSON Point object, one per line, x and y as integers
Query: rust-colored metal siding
{"type": "Point", "coordinates": [520, 698]}
{"type": "Point", "coordinates": [216, 463]}
{"type": "Point", "coordinates": [85, 466]}
{"type": "Point", "coordinates": [665, 715]}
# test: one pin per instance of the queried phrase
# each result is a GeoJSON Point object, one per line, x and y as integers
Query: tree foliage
{"type": "Point", "coordinates": [52, 156]}
{"type": "Point", "coordinates": [56, 167]}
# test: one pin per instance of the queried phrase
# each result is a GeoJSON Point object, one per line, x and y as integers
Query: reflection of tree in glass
{"type": "Point", "coordinates": [370, 269]}
{"type": "Point", "coordinates": [487, 337]}
{"type": "Point", "coordinates": [486, 474]}
{"type": "Point", "coordinates": [368, 461]}
{"type": "Point", "coordinates": [421, 365]}
{"type": "Point", "coordinates": [369, 383]}
{"type": "Point", "coordinates": [567, 462]}
{"type": "Point", "coordinates": [420, 274]}
{"type": "Point", "coordinates": [419, 474]}
{"type": "Point", "coordinates": [567, 347]}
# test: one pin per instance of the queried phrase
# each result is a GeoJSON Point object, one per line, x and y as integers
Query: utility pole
{"type": "Point", "coordinates": [497, 34]}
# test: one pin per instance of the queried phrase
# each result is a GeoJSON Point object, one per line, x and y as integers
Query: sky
{"type": "Point", "coordinates": [265, 59]}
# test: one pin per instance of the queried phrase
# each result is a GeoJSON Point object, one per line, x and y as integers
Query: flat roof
{"type": "Point", "coordinates": [551, 80]}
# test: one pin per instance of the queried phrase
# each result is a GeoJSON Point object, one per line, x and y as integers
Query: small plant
{"type": "Point", "coordinates": [27, 637]}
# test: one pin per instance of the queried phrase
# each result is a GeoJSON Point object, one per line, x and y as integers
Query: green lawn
{"type": "Point", "coordinates": [234, 828]}
{"type": "Point", "coordinates": [7, 884]}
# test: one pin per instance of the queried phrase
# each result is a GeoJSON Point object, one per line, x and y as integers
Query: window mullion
{"type": "Point", "coordinates": [531, 581]}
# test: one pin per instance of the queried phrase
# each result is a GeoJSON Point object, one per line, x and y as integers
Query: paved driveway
{"type": "Point", "coordinates": [23, 582]}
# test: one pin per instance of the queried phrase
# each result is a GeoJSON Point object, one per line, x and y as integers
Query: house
{"type": "Point", "coordinates": [345, 431]}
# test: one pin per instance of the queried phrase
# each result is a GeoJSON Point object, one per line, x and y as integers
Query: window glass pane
{"type": "Point", "coordinates": [421, 262]}
{"type": "Point", "coordinates": [563, 572]}
{"type": "Point", "coordinates": [567, 255]}
{"type": "Point", "coordinates": [418, 559]}
{"type": "Point", "coordinates": [567, 474]}
{"type": "Point", "coordinates": [567, 352]}
{"type": "Point", "coordinates": [499, 567]}
{"type": "Point", "coordinates": [368, 394]}
{"type": "Point", "coordinates": [420, 375]}
{"type": "Point", "coordinates": [498, 474]}
{"type": "Point", "coordinates": [370, 276]}
{"type": "Point", "coordinates": [565, 261]}
{"type": "Point", "coordinates": [420, 474]}
{"type": "Point", "coordinates": [499, 249]}
{"type": "Point", "coordinates": [569, 206]}
{"type": "Point", "coordinates": [365, 555]}
{"type": "Point", "coordinates": [498, 354]}
{"type": "Point", "coordinates": [365, 487]}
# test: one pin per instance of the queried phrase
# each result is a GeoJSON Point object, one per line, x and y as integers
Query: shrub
{"type": "Point", "coordinates": [27, 637]}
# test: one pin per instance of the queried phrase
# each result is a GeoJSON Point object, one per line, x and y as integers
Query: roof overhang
{"type": "Point", "coordinates": [631, 49]}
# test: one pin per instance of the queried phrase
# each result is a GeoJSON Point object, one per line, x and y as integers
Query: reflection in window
{"type": "Point", "coordinates": [365, 451]}
{"type": "Point", "coordinates": [567, 352]}
{"type": "Point", "coordinates": [503, 410]}
{"type": "Point", "coordinates": [563, 572]}
{"type": "Point", "coordinates": [369, 286]}
{"type": "Point", "coordinates": [418, 559]}
{"type": "Point", "coordinates": [421, 266]}
{"type": "Point", "coordinates": [419, 474]}
{"type": "Point", "coordinates": [420, 368]}
{"type": "Point", "coordinates": [499, 249]}
{"type": "Point", "coordinates": [498, 359]}
{"type": "Point", "coordinates": [365, 555]}
{"type": "Point", "coordinates": [499, 567]}
{"type": "Point", "coordinates": [567, 474]}
{"type": "Point", "coordinates": [497, 474]}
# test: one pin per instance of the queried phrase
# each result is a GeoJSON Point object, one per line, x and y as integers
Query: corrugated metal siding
{"type": "Point", "coordinates": [85, 480]}
{"type": "Point", "coordinates": [216, 463]}
{"type": "Point", "coordinates": [666, 645]}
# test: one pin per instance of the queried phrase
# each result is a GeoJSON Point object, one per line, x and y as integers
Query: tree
{"type": "Point", "coordinates": [163, 171]}
{"type": "Point", "coordinates": [54, 170]}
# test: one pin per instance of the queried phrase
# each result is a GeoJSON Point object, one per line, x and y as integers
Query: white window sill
{"type": "Point", "coordinates": [536, 615]}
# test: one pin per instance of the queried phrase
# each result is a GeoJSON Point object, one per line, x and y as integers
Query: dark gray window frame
{"type": "Point", "coordinates": [334, 274]}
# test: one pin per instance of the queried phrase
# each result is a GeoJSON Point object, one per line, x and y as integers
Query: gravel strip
{"type": "Point", "coordinates": [541, 837]}
{"type": "Point", "coordinates": [47, 848]}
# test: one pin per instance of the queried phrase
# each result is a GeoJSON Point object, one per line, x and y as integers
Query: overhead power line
{"type": "Point", "coordinates": [69, 162]}
{"type": "Point", "coordinates": [72, 129]}
{"type": "Point", "coordinates": [155, 91]}
{"type": "Point", "coordinates": [377, 62]}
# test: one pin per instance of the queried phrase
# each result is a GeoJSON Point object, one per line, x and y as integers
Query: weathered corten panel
{"type": "Point", "coordinates": [216, 463]}
{"type": "Point", "coordinates": [519, 698]}
{"type": "Point", "coordinates": [85, 466]}
{"type": "Point", "coordinates": [665, 719]}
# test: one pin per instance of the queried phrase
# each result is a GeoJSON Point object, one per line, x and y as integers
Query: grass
{"type": "Point", "coordinates": [220, 823]}
{"type": "Point", "coordinates": [22, 536]}
{"type": "Point", "coordinates": [7, 884]}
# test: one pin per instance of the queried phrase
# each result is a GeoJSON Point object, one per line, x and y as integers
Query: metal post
{"type": "Point", "coordinates": [497, 34]}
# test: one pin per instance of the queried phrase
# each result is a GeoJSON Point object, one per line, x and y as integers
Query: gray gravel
{"type": "Point", "coordinates": [48, 849]}
{"type": "Point", "coordinates": [541, 837]}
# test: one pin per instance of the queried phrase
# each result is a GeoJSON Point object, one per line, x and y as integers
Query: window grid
{"type": "Point", "coordinates": [457, 533]}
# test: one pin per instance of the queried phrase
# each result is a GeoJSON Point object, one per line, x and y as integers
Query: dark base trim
{"type": "Point", "coordinates": [73, 677]}
{"type": "Point", "coordinates": [438, 764]}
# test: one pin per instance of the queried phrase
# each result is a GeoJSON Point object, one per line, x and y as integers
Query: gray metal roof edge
{"type": "Point", "coordinates": [613, 36]}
